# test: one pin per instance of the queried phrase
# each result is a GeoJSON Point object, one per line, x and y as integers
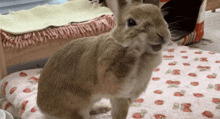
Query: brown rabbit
{"type": "Point", "coordinates": [117, 65]}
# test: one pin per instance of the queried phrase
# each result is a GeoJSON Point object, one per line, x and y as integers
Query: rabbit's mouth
{"type": "Point", "coordinates": [156, 47]}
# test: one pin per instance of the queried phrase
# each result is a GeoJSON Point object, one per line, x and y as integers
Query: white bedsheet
{"type": "Point", "coordinates": [185, 86]}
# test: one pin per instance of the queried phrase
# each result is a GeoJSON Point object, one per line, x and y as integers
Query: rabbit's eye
{"type": "Point", "coordinates": [131, 22]}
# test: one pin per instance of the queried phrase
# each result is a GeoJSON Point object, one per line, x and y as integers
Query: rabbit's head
{"type": "Point", "coordinates": [139, 24]}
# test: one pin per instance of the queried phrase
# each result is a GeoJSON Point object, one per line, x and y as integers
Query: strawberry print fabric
{"type": "Point", "coordinates": [185, 86]}
{"type": "Point", "coordinates": [18, 93]}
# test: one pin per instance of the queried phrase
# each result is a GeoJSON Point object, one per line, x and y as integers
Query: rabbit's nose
{"type": "Point", "coordinates": [161, 39]}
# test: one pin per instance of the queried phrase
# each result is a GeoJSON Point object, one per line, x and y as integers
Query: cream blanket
{"type": "Point", "coordinates": [41, 17]}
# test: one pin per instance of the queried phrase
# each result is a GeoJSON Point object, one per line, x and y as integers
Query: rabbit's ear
{"type": "Point", "coordinates": [116, 6]}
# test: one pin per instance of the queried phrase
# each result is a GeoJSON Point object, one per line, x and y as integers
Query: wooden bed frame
{"type": "Point", "coordinates": [14, 56]}
{"type": "Point", "coordinates": [3, 68]}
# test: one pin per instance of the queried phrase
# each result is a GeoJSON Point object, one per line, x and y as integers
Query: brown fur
{"type": "Point", "coordinates": [117, 65]}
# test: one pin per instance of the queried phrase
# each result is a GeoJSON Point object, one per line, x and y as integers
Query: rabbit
{"type": "Point", "coordinates": [116, 65]}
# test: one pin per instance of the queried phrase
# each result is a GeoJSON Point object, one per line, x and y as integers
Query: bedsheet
{"type": "Point", "coordinates": [185, 86]}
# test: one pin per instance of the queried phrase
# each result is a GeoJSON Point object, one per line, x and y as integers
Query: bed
{"type": "Point", "coordinates": [186, 84]}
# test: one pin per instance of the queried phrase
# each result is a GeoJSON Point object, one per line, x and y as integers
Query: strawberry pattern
{"type": "Point", "coordinates": [18, 93]}
{"type": "Point", "coordinates": [185, 86]}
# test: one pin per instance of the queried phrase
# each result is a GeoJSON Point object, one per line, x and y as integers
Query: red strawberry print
{"type": "Point", "coordinates": [7, 105]}
{"type": "Point", "coordinates": [194, 83]}
{"type": "Point", "coordinates": [172, 63]}
{"type": "Point", "coordinates": [182, 51]}
{"type": "Point", "coordinates": [192, 74]}
{"type": "Point", "coordinates": [158, 92]}
{"type": "Point", "coordinates": [24, 103]}
{"type": "Point", "coordinates": [140, 100]}
{"type": "Point", "coordinates": [23, 74]}
{"type": "Point", "coordinates": [205, 67]}
{"type": "Point", "coordinates": [166, 56]}
{"type": "Point", "coordinates": [33, 109]}
{"type": "Point", "coordinates": [171, 56]}
{"type": "Point", "coordinates": [217, 61]}
{"type": "Point", "coordinates": [216, 100]}
{"type": "Point", "coordinates": [176, 72]}
{"type": "Point", "coordinates": [156, 69]}
{"type": "Point", "coordinates": [198, 52]}
{"type": "Point", "coordinates": [186, 104]}
{"type": "Point", "coordinates": [212, 76]}
{"type": "Point", "coordinates": [170, 50]}
{"type": "Point", "coordinates": [22, 111]}
{"type": "Point", "coordinates": [208, 114]}
{"type": "Point", "coordinates": [186, 107]}
{"type": "Point", "coordinates": [178, 94]}
{"type": "Point", "coordinates": [172, 82]}
{"type": "Point", "coordinates": [185, 57]}
{"type": "Point", "coordinates": [199, 67]}
{"type": "Point", "coordinates": [27, 90]}
{"type": "Point", "coordinates": [217, 87]}
{"type": "Point", "coordinates": [159, 102]}
{"type": "Point", "coordinates": [155, 78]}
{"type": "Point", "coordinates": [35, 79]}
{"type": "Point", "coordinates": [5, 84]}
{"type": "Point", "coordinates": [159, 116]}
{"type": "Point", "coordinates": [176, 82]}
{"type": "Point", "coordinates": [186, 64]}
{"type": "Point", "coordinates": [23, 107]}
{"type": "Point", "coordinates": [169, 82]}
{"type": "Point", "coordinates": [13, 90]}
{"type": "Point", "coordinates": [203, 59]}
{"type": "Point", "coordinates": [137, 115]}
{"type": "Point", "coordinates": [198, 95]}
{"type": "Point", "coordinates": [211, 53]}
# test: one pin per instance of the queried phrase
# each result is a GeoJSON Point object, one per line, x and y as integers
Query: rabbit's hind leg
{"type": "Point", "coordinates": [120, 107]}
{"type": "Point", "coordinates": [74, 106]}
{"type": "Point", "coordinates": [77, 114]}
{"type": "Point", "coordinates": [82, 114]}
